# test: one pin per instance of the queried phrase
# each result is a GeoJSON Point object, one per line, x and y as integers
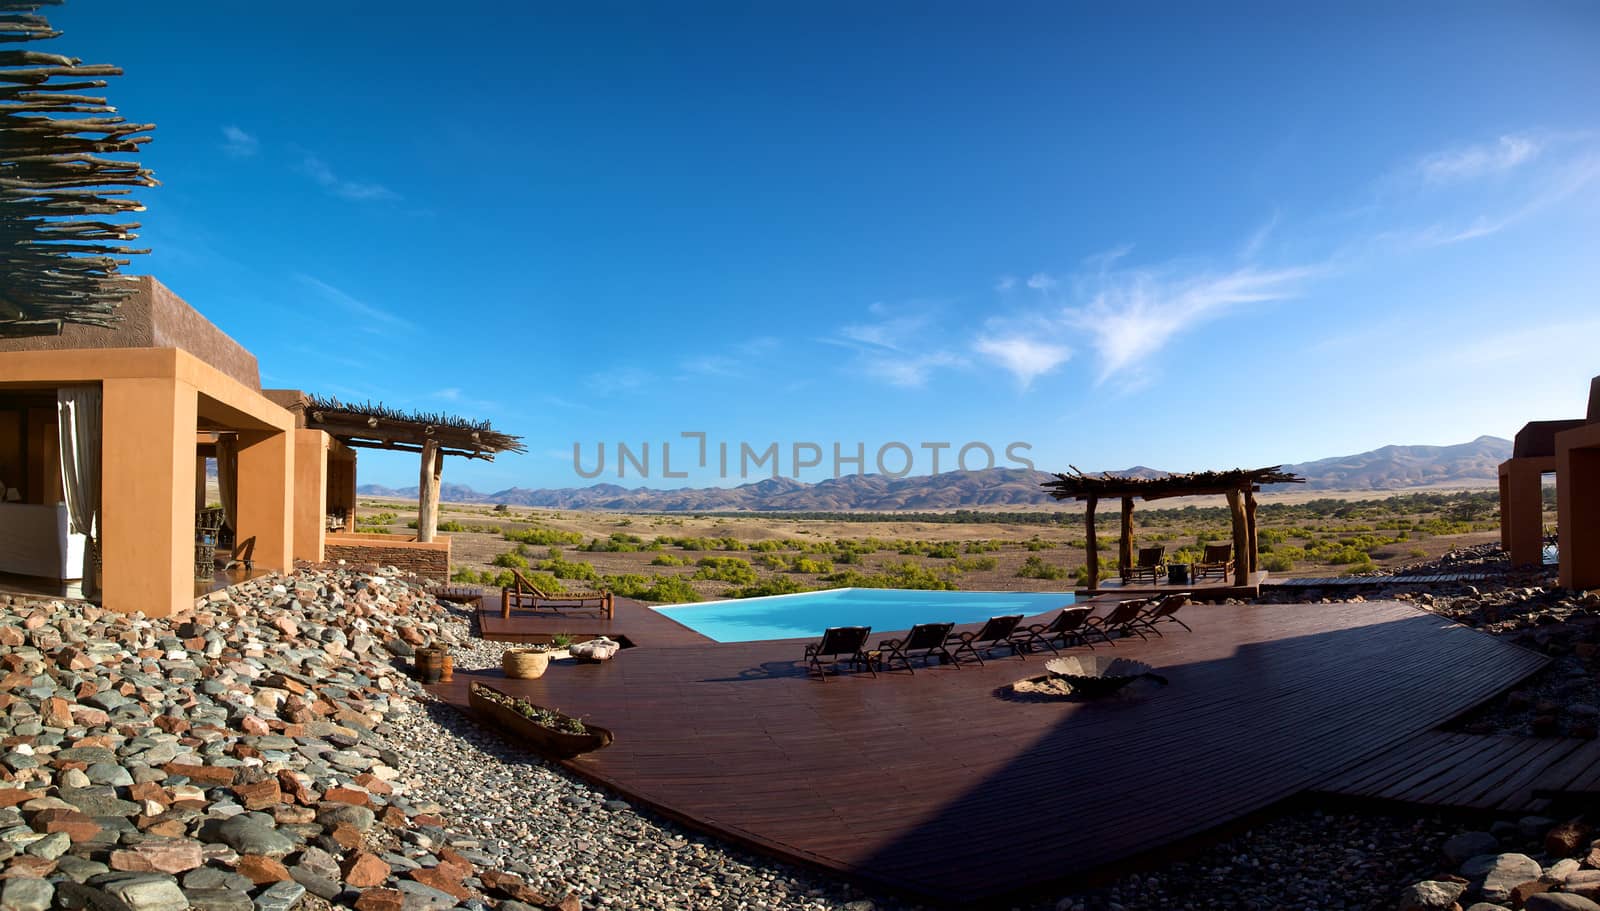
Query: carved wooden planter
{"type": "Point", "coordinates": [496, 707]}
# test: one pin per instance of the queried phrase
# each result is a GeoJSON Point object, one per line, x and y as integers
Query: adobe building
{"type": "Point", "coordinates": [1569, 449]}
{"type": "Point", "coordinates": [105, 436]}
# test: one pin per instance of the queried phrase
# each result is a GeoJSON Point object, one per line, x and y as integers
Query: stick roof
{"type": "Point", "coordinates": [60, 247]}
{"type": "Point", "coordinates": [1080, 486]}
{"type": "Point", "coordinates": [376, 426]}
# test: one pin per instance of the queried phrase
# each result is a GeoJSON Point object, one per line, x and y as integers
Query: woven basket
{"type": "Point", "coordinates": [524, 664]}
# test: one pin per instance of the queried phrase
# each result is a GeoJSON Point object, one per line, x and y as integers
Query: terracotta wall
{"type": "Point", "coordinates": [431, 560]}
{"type": "Point", "coordinates": [154, 317]}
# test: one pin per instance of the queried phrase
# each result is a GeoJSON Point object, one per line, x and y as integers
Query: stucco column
{"type": "Point", "coordinates": [1522, 512]}
{"type": "Point", "coordinates": [147, 495]}
{"type": "Point", "coordinates": [265, 533]}
{"type": "Point", "coordinates": [1578, 506]}
{"type": "Point", "coordinates": [310, 494]}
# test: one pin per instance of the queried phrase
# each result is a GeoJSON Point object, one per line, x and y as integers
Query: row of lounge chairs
{"type": "Point", "coordinates": [1072, 626]}
{"type": "Point", "coordinates": [1151, 563]}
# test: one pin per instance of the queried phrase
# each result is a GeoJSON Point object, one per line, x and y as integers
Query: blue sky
{"type": "Point", "coordinates": [1153, 234]}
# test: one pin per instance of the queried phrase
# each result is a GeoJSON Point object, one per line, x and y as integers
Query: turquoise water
{"type": "Point", "coordinates": [806, 615]}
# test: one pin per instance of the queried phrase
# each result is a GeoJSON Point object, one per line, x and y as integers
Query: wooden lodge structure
{"type": "Point", "coordinates": [1239, 485]}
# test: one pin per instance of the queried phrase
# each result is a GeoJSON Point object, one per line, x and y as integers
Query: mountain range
{"type": "Point", "coordinates": [1471, 464]}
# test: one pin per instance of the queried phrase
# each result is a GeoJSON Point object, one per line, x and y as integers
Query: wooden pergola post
{"type": "Point", "coordinates": [428, 491]}
{"type": "Point", "coordinates": [1091, 550]}
{"type": "Point", "coordinates": [1241, 537]}
{"type": "Point", "coordinates": [1250, 517]}
{"type": "Point", "coordinates": [1125, 549]}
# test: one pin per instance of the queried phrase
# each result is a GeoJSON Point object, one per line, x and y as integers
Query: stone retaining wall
{"type": "Point", "coordinates": [431, 560]}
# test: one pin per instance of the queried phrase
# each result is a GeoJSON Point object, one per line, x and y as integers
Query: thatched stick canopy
{"type": "Point", "coordinates": [1238, 485]}
{"type": "Point", "coordinates": [60, 247]}
{"type": "Point", "coordinates": [376, 426]}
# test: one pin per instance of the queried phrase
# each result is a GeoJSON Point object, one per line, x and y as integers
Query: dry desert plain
{"type": "Point", "coordinates": [1305, 533]}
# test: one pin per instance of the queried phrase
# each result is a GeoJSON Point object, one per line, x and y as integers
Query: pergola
{"type": "Point", "coordinates": [1239, 485]}
{"type": "Point", "coordinates": [373, 426]}
{"type": "Point", "coordinates": [60, 247]}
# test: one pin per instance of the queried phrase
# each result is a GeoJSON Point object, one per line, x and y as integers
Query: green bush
{"type": "Point", "coordinates": [775, 562]}
{"type": "Point", "coordinates": [511, 560]}
{"type": "Point", "coordinates": [976, 564]}
{"type": "Point", "coordinates": [772, 585]}
{"type": "Point", "coordinates": [1276, 563]}
{"type": "Point", "coordinates": [726, 569]}
{"type": "Point", "coordinates": [656, 588]}
{"type": "Point", "coordinates": [668, 560]}
{"type": "Point", "coordinates": [808, 565]}
{"type": "Point", "coordinates": [562, 568]}
{"type": "Point", "coordinates": [544, 536]}
{"type": "Point", "coordinates": [1036, 544]}
{"type": "Point", "coordinates": [1036, 568]}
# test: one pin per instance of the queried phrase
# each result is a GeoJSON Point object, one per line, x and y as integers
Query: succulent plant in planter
{"type": "Point", "coordinates": [547, 730]}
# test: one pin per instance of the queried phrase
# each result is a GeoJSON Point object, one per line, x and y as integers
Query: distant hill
{"type": "Point", "coordinates": [1390, 468]}
{"type": "Point", "coordinates": [1398, 467]}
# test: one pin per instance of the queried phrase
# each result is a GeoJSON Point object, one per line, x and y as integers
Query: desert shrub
{"type": "Point", "coordinates": [1276, 563]}
{"type": "Point", "coordinates": [772, 585]}
{"type": "Point", "coordinates": [774, 562]}
{"type": "Point", "coordinates": [544, 536]}
{"type": "Point", "coordinates": [471, 576]}
{"type": "Point", "coordinates": [668, 560]}
{"type": "Point", "coordinates": [896, 575]}
{"type": "Point", "coordinates": [374, 530]}
{"type": "Point", "coordinates": [1108, 569]}
{"type": "Point", "coordinates": [946, 551]}
{"type": "Point", "coordinates": [1188, 553]}
{"type": "Point", "coordinates": [1036, 544]}
{"type": "Point", "coordinates": [562, 568]}
{"type": "Point", "coordinates": [982, 547]}
{"type": "Point", "coordinates": [976, 564]}
{"type": "Point", "coordinates": [511, 560]}
{"type": "Point", "coordinates": [655, 588]}
{"type": "Point", "coordinates": [808, 565]}
{"type": "Point", "coordinates": [1416, 553]}
{"type": "Point", "coordinates": [726, 569]}
{"type": "Point", "coordinates": [618, 543]}
{"type": "Point", "coordinates": [1036, 568]}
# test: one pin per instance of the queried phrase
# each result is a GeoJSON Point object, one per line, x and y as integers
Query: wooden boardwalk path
{"type": "Point", "coordinates": [1357, 581]}
{"type": "Point", "coordinates": [1503, 773]}
{"type": "Point", "coordinates": [933, 782]}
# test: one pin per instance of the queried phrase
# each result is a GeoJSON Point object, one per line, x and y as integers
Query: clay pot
{"type": "Point", "coordinates": [524, 664]}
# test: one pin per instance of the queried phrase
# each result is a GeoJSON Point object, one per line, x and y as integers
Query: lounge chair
{"type": "Point", "coordinates": [523, 593]}
{"type": "Point", "coordinates": [1163, 610]}
{"type": "Point", "coordinates": [1068, 627]}
{"type": "Point", "coordinates": [1122, 619]}
{"type": "Point", "coordinates": [1218, 560]}
{"type": "Point", "coordinates": [840, 643]}
{"type": "Point", "coordinates": [995, 633]}
{"type": "Point", "coordinates": [1151, 563]}
{"type": "Point", "coordinates": [925, 640]}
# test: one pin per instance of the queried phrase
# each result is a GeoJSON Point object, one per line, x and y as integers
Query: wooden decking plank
{"type": "Point", "coordinates": [1263, 702]}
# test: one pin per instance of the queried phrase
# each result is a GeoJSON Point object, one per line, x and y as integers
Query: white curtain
{"type": "Point", "coordinates": [228, 475]}
{"type": "Point", "coordinates": [78, 422]}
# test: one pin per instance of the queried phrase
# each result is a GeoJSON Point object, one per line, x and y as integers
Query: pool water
{"type": "Point", "coordinates": [806, 615]}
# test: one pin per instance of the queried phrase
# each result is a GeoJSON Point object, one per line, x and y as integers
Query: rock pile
{"type": "Point", "coordinates": [232, 758]}
{"type": "Point", "coordinates": [1534, 863]}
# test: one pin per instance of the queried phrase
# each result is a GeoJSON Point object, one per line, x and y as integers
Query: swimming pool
{"type": "Point", "coordinates": [807, 614]}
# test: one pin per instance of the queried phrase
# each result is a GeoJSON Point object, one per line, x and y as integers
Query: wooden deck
{"type": "Point", "coordinates": [943, 785]}
{"type": "Point", "coordinates": [1502, 773]}
{"type": "Point", "coordinates": [1358, 581]}
{"type": "Point", "coordinates": [1209, 589]}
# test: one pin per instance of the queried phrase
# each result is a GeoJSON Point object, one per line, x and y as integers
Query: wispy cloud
{"type": "Point", "coordinates": [377, 319]}
{"type": "Point", "coordinates": [909, 371]}
{"type": "Point", "coordinates": [1475, 161]}
{"type": "Point", "coordinates": [1039, 281]}
{"type": "Point", "coordinates": [898, 348]}
{"type": "Point", "coordinates": [319, 171]}
{"type": "Point", "coordinates": [1258, 239]}
{"type": "Point", "coordinates": [711, 365]}
{"type": "Point", "coordinates": [238, 143]}
{"type": "Point", "coordinates": [1134, 314]}
{"type": "Point", "coordinates": [1005, 283]}
{"type": "Point", "coordinates": [454, 396]}
{"type": "Point", "coordinates": [1025, 357]}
